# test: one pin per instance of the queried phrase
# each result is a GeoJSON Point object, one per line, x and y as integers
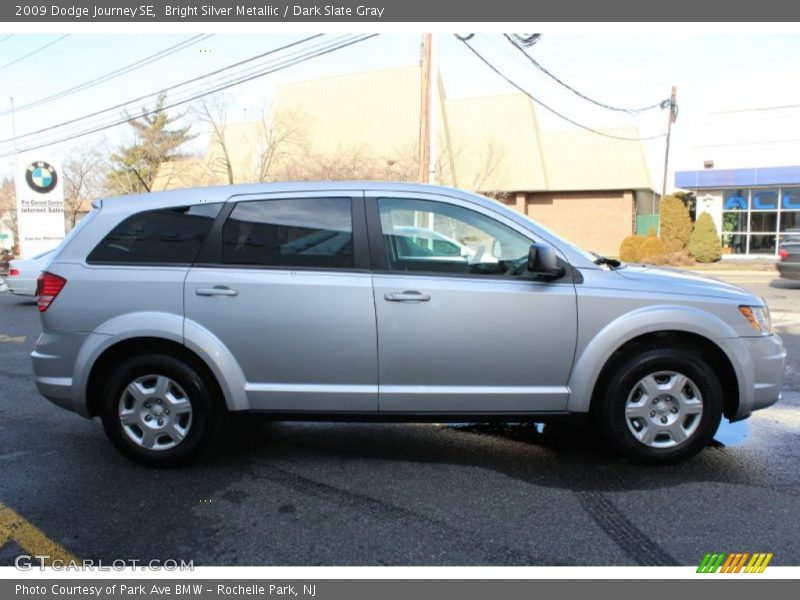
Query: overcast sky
{"type": "Point", "coordinates": [738, 92]}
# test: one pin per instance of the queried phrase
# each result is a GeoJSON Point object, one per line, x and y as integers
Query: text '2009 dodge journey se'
{"type": "Point", "coordinates": [348, 301]}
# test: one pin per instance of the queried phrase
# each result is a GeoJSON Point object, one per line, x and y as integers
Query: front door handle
{"type": "Point", "coordinates": [406, 296]}
{"type": "Point", "coordinates": [217, 290]}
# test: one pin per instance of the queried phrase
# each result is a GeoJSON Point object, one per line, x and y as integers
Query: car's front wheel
{"type": "Point", "coordinates": [158, 410]}
{"type": "Point", "coordinates": [662, 405]}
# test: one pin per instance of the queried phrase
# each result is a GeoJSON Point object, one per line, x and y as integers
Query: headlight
{"type": "Point", "coordinates": [758, 317]}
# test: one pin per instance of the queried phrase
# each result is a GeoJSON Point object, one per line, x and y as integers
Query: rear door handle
{"type": "Point", "coordinates": [217, 290]}
{"type": "Point", "coordinates": [406, 296]}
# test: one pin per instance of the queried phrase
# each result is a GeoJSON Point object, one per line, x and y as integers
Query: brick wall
{"type": "Point", "coordinates": [593, 220]}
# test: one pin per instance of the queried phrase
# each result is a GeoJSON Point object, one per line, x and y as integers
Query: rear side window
{"type": "Point", "coordinates": [298, 232]}
{"type": "Point", "coordinates": [165, 236]}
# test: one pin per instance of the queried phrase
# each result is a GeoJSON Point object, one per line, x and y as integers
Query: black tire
{"type": "Point", "coordinates": [625, 380]}
{"type": "Point", "coordinates": [203, 420]}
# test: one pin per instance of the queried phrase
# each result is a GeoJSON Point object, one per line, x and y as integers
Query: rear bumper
{"type": "Point", "coordinates": [21, 287]}
{"type": "Point", "coordinates": [54, 366]}
{"type": "Point", "coordinates": [789, 270]}
{"type": "Point", "coordinates": [760, 371]}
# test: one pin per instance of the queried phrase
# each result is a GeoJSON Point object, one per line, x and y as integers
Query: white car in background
{"type": "Point", "coordinates": [22, 274]}
{"type": "Point", "coordinates": [422, 243]}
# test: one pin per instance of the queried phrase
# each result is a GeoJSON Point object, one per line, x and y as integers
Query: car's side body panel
{"type": "Point", "coordinates": [306, 341]}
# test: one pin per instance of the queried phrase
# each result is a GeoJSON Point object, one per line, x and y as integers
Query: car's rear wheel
{"type": "Point", "coordinates": [660, 406]}
{"type": "Point", "coordinates": [159, 411]}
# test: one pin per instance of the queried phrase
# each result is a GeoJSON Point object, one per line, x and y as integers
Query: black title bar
{"type": "Point", "coordinates": [392, 11]}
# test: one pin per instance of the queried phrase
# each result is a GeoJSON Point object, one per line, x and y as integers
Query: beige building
{"type": "Point", "coordinates": [585, 186]}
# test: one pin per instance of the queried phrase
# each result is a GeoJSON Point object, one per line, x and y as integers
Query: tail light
{"type": "Point", "coordinates": [13, 273]}
{"type": "Point", "coordinates": [48, 287]}
{"type": "Point", "coordinates": [783, 254]}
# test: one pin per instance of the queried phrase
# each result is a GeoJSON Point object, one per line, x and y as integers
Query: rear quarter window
{"type": "Point", "coordinates": [298, 232]}
{"type": "Point", "coordinates": [163, 236]}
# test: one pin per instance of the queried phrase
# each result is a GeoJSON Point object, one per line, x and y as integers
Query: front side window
{"type": "Point", "coordinates": [298, 232]}
{"type": "Point", "coordinates": [163, 236]}
{"type": "Point", "coordinates": [426, 236]}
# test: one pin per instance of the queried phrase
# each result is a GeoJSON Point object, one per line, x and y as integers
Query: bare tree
{"type": "Point", "coordinates": [213, 110]}
{"type": "Point", "coordinates": [8, 197]}
{"type": "Point", "coordinates": [353, 163]}
{"type": "Point", "coordinates": [280, 139]}
{"type": "Point", "coordinates": [478, 166]}
{"type": "Point", "coordinates": [84, 173]}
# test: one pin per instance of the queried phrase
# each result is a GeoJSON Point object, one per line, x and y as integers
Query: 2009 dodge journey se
{"type": "Point", "coordinates": [345, 301]}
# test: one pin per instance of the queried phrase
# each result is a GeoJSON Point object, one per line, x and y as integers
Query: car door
{"type": "Point", "coordinates": [468, 332]}
{"type": "Point", "coordinates": [284, 285]}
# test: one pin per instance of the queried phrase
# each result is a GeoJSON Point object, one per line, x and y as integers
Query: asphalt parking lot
{"type": "Point", "coordinates": [376, 494]}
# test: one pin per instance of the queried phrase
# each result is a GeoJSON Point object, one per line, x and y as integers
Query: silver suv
{"type": "Point", "coordinates": [166, 311]}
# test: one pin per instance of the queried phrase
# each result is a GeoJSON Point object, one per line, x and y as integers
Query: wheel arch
{"type": "Point", "coordinates": [692, 343]}
{"type": "Point", "coordinates": [136, 346]}
{"type": "Point", "coordinates": [685, 326]}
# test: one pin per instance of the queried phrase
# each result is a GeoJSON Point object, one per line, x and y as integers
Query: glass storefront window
{"type": "Point", "coordinates": [734, 221]}
{"type": "Point", "coordinates": [755, 220]}
{"type": "Point", "coordinates": [737, 242]}
{"type": "Point", "coordinates": [766, 222]}
{"type": "Point", "coordinates": [762, 244]}
{"type": "Point", "coordinates": [764, 199]}
{"type": "Point", "coordinates": [735, 199]}
{"type": "Point", "coordinates": [790, 220]}
{"type": "Point", "coordinates": [790, 199]}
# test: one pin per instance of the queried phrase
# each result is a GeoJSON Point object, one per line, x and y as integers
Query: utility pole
{"type": "Point", "coordinates": [673, 113]}
{"type": "Point", "coordinates": [18, 207]}
{"type": "Point", "coordinates": [426, 132]}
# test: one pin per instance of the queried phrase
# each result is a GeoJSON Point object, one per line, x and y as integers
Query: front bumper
{"type": "Point", "coordinates": [760, 370]}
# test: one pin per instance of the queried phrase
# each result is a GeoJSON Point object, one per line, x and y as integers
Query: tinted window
{"type": "Point", "coordinates": [302, 232]}
{"type": "Point", "coordinates": [166, 236]}
{"type": "Point", "coordinates": [426, 236]}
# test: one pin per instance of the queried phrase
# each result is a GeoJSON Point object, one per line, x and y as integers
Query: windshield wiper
{"type": "Point", "coordinates": [602, 260]}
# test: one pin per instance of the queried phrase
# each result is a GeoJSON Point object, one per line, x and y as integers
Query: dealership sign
{"type": "Point", "coordinates": [40, 204]}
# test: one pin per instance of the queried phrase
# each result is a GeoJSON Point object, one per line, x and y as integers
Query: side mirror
{"type": "Point", "coordinates": [543, 261]}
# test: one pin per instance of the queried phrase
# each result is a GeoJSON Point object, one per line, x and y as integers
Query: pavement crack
{"type": "Point", "coordinates": [632, 540]}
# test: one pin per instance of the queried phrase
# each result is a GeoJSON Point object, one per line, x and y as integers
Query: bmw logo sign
{"type": "Point", "coordinates": [41, 177]}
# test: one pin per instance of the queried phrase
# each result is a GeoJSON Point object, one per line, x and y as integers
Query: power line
{"type": "Point", "coordinates": [21, 58]}
{"type": "Point", "coordinates": [535, 63]}
{"type": "Point", "coordinates": [276, 67]}
{"type": "Point", "coordinates": [526, 40]}
{"type": "Point", "coordinates": [756, 109]}
{"type": "Point", "coordinates": [204, 86]}
{"type": "Point", "coordinates": [114, 74]}
{"type": "Point", "coordinates": [758, 143]}
{"type": "Point", "coordinates": [5, 38]}
{"type": "Point", "coordinates": [163, 90]}
{"type": "Point", "coordinates": [549, 108]}
{"type": "Point", "coordinates": [285, 65]}
{"type": "Point", "coordinates": [289, 57]}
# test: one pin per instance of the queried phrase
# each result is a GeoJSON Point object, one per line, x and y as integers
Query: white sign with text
{"type": "Point", "coordinates": [40, 203]}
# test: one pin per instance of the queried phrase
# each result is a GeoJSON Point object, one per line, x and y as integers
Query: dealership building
{"type": "Point", "coordinates": [752, 207]}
